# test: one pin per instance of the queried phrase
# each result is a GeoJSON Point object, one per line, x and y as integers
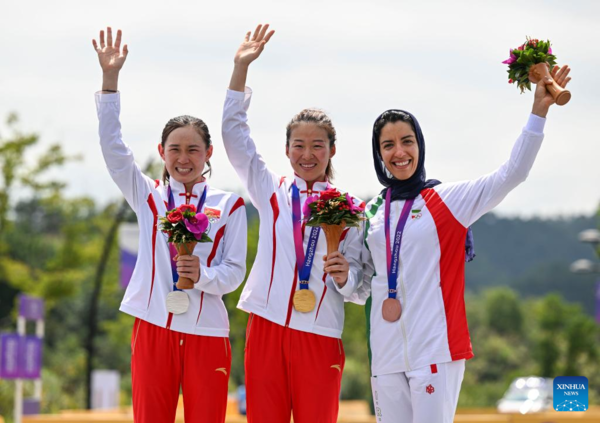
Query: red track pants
{"type": "Point", "coordinates": [162, 361]}
{"type": "Point", "coordinates": [289, 370]}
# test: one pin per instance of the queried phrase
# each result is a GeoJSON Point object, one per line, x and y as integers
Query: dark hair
{"type": "Point", "coordinates": [182, 122]}
{"type": "Point", "coordinates": [317, 117]}
{"type": "Point", "coordinates": [391, 116]}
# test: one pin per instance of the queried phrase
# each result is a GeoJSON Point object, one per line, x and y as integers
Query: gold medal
{"type": "Point", "coordinates": [304, 300]}
{"type": "Point", "coordinates": [178, 302]}
{"type": "Point", "coordinates": [391, 310]}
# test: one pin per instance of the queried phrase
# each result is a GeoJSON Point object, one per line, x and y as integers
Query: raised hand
{"type": "Point", "coordinates": [253, 46]}
{"type": "Point", "coordinates": [542, 98]}
{"type": "Point", "coordinates": [249, 50]}
{"type": "Point", "coordinates": [111, 58]}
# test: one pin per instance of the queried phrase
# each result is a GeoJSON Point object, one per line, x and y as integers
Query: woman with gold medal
{"type": "Point", "coordinates": [295, 293]}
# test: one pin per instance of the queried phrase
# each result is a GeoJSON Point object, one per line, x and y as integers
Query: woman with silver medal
{"type": "Point", "coordinates": [180, 337]}
{"type": "Point", "coordinates": [417, 240]}
{"type": "Point", "coordinates": [295, 292]}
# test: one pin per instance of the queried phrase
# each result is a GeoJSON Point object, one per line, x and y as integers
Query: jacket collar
{"type": "Point", "coordinates": [310, 188]}
{"type": "Point", "coordinates": [180, 195]}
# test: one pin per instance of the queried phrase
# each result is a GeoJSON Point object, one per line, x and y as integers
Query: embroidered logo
{"type": "Point", "coordinates": [416, 214]}
{"type": "Point", "coordinates": [222, 370]}
{"type": "Point", "coordinates": [212, 214]}
{"type": "Point", "coordinates": [430, 389]}
{"type": "Point", "coordinates": [337, 367]}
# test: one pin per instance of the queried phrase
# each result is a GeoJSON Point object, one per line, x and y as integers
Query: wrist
{"type": "Point", "coordinates": [540, 110]}
{"type": "Point", "coordinates": [110, 81]}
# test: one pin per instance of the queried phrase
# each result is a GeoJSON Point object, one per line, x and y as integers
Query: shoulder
{"type": "Point", "coordinates": [373, 206]}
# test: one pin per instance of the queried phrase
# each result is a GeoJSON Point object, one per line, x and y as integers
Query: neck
{"type": "Point", "coordinates": [189, 186]}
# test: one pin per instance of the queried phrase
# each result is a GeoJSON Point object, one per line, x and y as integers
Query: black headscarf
{"type": "Point", "coordinates": [411, 187]}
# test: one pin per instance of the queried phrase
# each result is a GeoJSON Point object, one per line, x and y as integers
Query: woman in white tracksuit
{"type": "Point", "coordinates": [294, 357]}
{"type": "Point", "coordinates": [183, 347]}
{"type": "Point", "coordinates": [414, 258]}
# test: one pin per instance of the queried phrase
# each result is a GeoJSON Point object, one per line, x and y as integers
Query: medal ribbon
{"type": "Point", "coordinates": [393, 257]}
{"type": "Point", "coordinates": [172, 249]}
{"type": "Point", "coordinates": [303, 261]}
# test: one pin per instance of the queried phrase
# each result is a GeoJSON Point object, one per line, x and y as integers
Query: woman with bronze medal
{"type": "Point", "coordinates": [416, 243]}
{"type": "Point", "coordinates": [295, 292]}
{"type": "Point", "coordinates": [180, 335]}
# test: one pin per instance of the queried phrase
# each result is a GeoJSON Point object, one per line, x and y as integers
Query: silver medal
{"type": "Point", "coordinates": [178, 302]}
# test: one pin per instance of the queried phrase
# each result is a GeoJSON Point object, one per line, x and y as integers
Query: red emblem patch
{"type": "Point", "coordinates": [430, 389]}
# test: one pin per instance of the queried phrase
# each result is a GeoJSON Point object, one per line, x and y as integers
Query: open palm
{"type": "Point", "coordinates": [110, 55]}
{"type": "Point", "coordinates": [253, 46]}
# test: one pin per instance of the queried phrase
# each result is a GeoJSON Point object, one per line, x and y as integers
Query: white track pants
{"type": "Point", "coordinates": [425, 395]}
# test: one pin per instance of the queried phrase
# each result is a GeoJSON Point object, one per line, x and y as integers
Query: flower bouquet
{"type": "Point", "coordinates": [332, 211]}
{"type": "Point", "coordinates": [185, 228]}
{"type": "Point", "coordinates": [531, 62]}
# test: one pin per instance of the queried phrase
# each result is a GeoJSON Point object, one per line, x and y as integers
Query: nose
{"type": "Point", "coordinates": [307, 154]}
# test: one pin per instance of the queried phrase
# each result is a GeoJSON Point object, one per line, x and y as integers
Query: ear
{"type": "Point", "coordinates": [209, 153]}
{"type": "Point", "coordinates": [332, 151]}
{"type": "Point", "coordinates": [287, 150]}
{"type": "Point", "coordinates": [161, 151]}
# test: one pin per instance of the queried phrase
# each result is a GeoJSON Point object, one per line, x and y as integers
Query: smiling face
{"type": "Point", "coordinates": [185, 155]}
{"type": "Point", "coordinates": [399, 149]}
{"type": "Point", "coordinates": [309, 151]}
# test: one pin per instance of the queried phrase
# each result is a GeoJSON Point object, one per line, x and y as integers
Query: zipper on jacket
{"type": "Point", "coordinates": [403, 289]}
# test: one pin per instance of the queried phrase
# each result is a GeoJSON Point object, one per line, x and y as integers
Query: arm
{"type": "Point", "coordinates": [241, 149]}
{"type": "Point", "coordinates": [470, 200]}
{"type": "Point", "coordinates": [363, 291]}
{"type": "Point", "coordinates": [345, 267]}
{"type": "Point", "coordinates": [117, 155]}
{"type": "Point", "coordinates": [229, 273]}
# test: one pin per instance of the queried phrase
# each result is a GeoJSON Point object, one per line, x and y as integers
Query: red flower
{"type": "Point", "coordinates": [330, 194]}
{"type": "Point", "coordinates": [174, 216]}
{"type": "Point", "coordinates": [510, 81]}
{"type": "Point", "coordinates": [187, 207]}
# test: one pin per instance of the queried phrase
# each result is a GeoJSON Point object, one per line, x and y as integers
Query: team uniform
{"type": "Point", "coordinates": [418, 361]}
{"type": "Point", "coordinates": [293, 360]}
{"type": "Point", "coordinates": [169, 350]}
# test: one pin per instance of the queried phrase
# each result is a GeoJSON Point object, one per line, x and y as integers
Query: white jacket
{"type": "Point", "coordinates": [433, 327]}
{"type": "Point", "coordinates": [222, 262]}
{"type": "Point", "coordinates": [273, 279]}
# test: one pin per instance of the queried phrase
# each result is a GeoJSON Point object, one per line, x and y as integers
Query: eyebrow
{"type": "Point", "coordinates": [301, 140]}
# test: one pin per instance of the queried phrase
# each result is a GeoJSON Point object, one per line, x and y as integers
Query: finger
{"type": "Point", "coordinates": [95, 45]}
{"type": "Point", "coordinates": [562, 74]}
{"type": "Point", "coordinates": [118, 40]}
{"type": "Point", "coordinates": [269, 35]}
{"type": "Point", "coordinates": [102, 45]}
{"type": "Point", "coordinates": [256, 32]}
{"type": "Point", "coordinates": [247, 37]}
{"type": "Point", "coordinates": [566, 81]}
{"type": "Point", "coordinates": [554, 70]}
{"type": "Point", "coordinates": [263, 31]}
{"type": "Point", "coordinates": [109, 40]}
{"type": "Point", "coordinates": [125, 50]}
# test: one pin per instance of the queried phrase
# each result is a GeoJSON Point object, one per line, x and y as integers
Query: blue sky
{"type": "Point", "coordinates": [439, 60]}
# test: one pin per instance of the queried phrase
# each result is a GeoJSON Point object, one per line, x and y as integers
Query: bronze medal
{"type": "Point", "coordinates": [304, 300]}
{"type": "Point", "coordinates": [391, 310]}
{"type": "Point", "coordinates": [178, 302]}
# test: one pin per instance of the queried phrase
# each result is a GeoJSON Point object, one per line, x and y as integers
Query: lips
{"type": "Point", "coordinates": [308, 166]}
{"type": "Point", "coordinates": [402, 165]}
{"type": "Point", "coordinates": [183, 170]}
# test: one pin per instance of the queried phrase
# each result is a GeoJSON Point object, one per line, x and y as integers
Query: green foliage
{"type": "Point", "coordinates": [523, 57]}
{"type": "Point", "coordinates": [503, 311]}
